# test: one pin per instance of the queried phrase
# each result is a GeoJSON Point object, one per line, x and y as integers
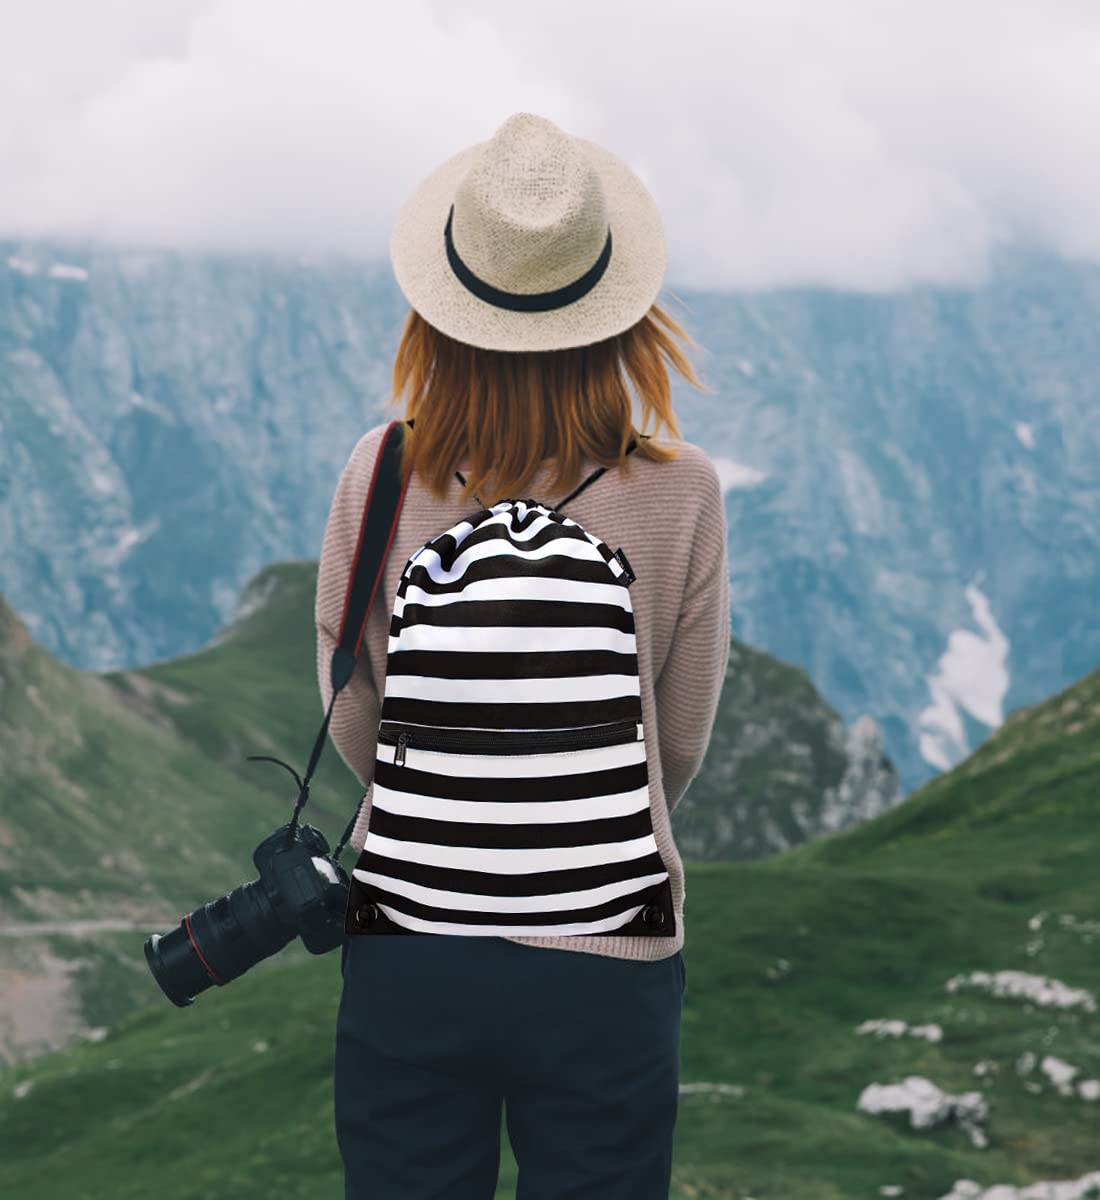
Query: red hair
{"type": "Point", "coordinates": [504, 411]}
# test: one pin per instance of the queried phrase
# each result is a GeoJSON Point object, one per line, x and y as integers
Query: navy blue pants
{"type": "Point", "coordinates": [437, 1033]}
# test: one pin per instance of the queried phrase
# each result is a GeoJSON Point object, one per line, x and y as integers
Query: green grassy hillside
{"type": "Point", "coordinates": [133, 788]}
{"type": "Point", "coordinates": [990, 867]}
{"type": "Point", "coordinates": [129, 795]}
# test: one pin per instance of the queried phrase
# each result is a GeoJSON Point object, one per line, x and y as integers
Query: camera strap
{"type": "Point", "coordinates": [376, 534]}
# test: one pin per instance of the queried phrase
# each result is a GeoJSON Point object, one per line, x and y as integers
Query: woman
{"type": "Point", "coordinates": [532, 263]}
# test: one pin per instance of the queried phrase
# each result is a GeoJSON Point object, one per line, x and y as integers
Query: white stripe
{"type": "Point", "coordinates": [511, 812]}
{"type": "Point", "coordinates": [428, 556]}
{"type": "Point", "coordinates": [516, 766]}
{"type": "Point", "coordinates": [509, 516]}
{"type": "Point", "coordinates": [563, 547]}
{"type": "Point", "coordinates": [609, 924]}
{"type": "Point", "coordinates": [521, 587]}
{"type": "Point", "coordinates": [552, 690]}
{"type": "Point", "coordinates": [508, 861]}
{"type": "Point", "coordinates": [509, 639]}
{"type": "Point", "coordinates": [475, 902]}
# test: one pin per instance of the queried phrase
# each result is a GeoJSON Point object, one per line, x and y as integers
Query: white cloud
{"type": "Point", "coordinates": [852, 143]}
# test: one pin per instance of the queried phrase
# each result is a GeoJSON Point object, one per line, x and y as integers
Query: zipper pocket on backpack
{"type": "Point", "coordinates": [504, 741]}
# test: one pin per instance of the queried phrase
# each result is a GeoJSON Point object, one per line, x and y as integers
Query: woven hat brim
{"type": "Point", "coordinates": [623, 295]}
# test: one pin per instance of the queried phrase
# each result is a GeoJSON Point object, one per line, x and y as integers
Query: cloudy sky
{"type": "Point", "coordinates": [855, 143]}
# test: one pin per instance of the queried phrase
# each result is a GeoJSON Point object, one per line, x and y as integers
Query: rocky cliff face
{"type": "Point", "coordinates": [912, 482]}
{"type": "Point", "coordinates": [781, 768]}
{"type": "Point", "coordinates": [914, 498]}
{"type": "Point", "coordinates": [149, 399]}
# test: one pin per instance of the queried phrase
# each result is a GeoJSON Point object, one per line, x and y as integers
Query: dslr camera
{"type": "Point", "coordinates": [301, 891]}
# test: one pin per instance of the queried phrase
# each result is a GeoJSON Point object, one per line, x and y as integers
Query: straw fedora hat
{"type": "Point", "coordinates": [532, 240]}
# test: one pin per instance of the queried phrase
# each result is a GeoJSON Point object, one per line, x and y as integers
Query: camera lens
{"type": "Point", "coordinates": [216, 943]}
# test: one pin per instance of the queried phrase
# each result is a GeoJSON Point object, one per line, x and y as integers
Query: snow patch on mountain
{"type": "Point", "coordinates": [129, 537]}
{"type": "Point", "coordinates": [67, 271]}
{"type": "Point", "coordinates": [1026, 433]}
{"type": "Point", "coordinates": [861, 492]}
{"type": "Point", "coordinates": [137, 400]}
{"type": "Point", "coordinates": [971, 676]}
{"type": "Point", "coordinates": [732, 474]}
{"type": "Point", "coordinates": [101, 479]}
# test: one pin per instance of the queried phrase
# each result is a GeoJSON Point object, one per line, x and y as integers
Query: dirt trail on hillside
{"type": "Point", "coordinates": [99, 925]}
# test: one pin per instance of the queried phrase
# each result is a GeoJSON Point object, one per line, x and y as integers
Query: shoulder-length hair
{"type": "Point", "coordinates": [503, 411]}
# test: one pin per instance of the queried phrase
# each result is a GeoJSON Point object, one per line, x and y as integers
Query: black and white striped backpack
{"type": "Point", "coordinates": [511, 791]}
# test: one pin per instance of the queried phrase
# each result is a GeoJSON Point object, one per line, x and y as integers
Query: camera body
{"type": "Point", "coordinates": [300, 891]}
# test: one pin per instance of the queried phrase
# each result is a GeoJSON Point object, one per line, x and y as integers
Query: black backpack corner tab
{"type": "Point", "coordinates": [624, 562]}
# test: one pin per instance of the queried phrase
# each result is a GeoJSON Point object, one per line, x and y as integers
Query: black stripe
{"type": "Point", "coordinates": [491, 883]}
{"type": "Point", "coordinates": [562, 614]}
{"type": "Point", "coordinates": [522, 301]}
{"type": "Point", "coordinates": [513, 665]}
{"type": "Point", "coordinates": [511, 714]}
{"type": "Point", "coordinates": [569, 916]}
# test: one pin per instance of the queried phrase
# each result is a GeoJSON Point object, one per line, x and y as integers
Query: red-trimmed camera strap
{"type": "Point", "coordinates": [376, 533]}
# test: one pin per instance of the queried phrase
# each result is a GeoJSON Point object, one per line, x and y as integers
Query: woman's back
{"type": "Point", "coordinates": [669, 518]}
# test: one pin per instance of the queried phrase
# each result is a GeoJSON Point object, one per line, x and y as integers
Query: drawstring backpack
{"type": "Point", "coordinates": [511, 788]}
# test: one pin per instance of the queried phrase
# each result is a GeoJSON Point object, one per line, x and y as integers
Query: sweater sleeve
{"type": "Point", "coordinates": [689, 685]}
{"type": "Point", "coordinates": [354, 724]}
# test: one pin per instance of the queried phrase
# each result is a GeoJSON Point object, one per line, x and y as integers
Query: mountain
{"type": "Point", "coordinates": [915, 492]}
{"type": "Point", "coordinates": [127, 799]}
{"type": "Point", "coordinates": [781, 767]}
{"type": "Point", "coordinates": [912, 484]}
{"type": "Point", "coordinates": [169, 425]}
{"type": "Point", "coordinates": [942, 956]}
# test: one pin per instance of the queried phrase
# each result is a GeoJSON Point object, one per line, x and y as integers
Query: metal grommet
{"type": "Point", "coordinates": [652, 914]}
{"type": "Point", "coordinates": [366, 913]}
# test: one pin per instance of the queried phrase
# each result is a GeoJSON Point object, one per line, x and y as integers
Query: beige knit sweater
{"type": "Point", "coordinates": [670, 520]}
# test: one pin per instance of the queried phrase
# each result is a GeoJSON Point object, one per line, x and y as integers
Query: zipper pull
{"type": "Point", "coordinates": [399, 757]}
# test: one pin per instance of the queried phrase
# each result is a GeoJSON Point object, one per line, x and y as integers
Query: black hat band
{"type": "Point", "coordinates": [526, 301]}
